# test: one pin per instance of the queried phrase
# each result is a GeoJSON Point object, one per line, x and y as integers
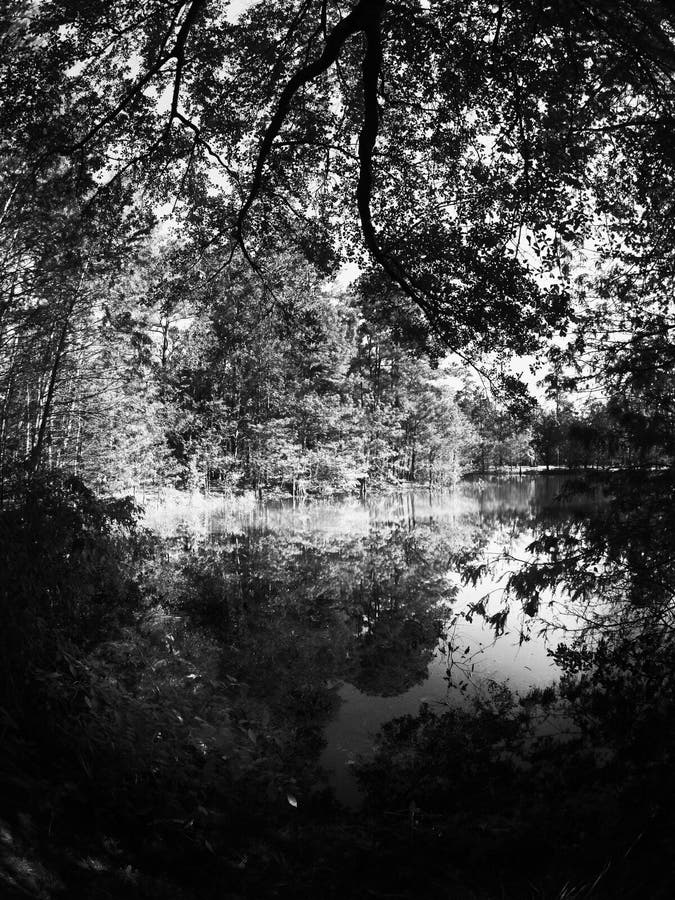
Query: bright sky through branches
{"type": "Point", "coordinates": [237, 7]}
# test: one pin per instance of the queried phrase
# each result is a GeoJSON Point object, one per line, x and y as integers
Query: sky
{"type": "Point", "coordinates": [237, 7]}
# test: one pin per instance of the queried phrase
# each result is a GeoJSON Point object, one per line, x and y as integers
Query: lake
{"type": "Point", "coordinates": [341, 615]}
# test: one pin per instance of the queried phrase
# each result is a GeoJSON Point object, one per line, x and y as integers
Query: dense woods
{"type": "Point", "coordinates": [311, 251]}
{"type": "Point", "coordinates": [157, 376]}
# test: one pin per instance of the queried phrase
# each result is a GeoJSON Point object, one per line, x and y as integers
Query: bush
{"type": "Point", "coordinates": [67, 559]}
{"type": "Point", "coordinates": [121, 741]}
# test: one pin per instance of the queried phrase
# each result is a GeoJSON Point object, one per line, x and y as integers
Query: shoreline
{"type": "Point", "coordinates": [195, 499]}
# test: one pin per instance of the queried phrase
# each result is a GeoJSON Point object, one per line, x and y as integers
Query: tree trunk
{"type": "Point", "coordinates": [46, 412]}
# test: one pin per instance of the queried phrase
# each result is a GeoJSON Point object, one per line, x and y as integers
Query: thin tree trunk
{"type": "Point", "coordinates": [36, 451]}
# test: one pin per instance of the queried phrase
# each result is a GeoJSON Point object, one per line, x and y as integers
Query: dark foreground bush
{"type": "Point", "coordinates": [127, 766]}
{"type": "Point", "coordinates": [559, 794]}
{"type": "Point", "coordinates": [67, 561]}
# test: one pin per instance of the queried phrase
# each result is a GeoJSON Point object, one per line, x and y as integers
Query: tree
{"type": "Point", "coordinates": [501, 436]}
{"type": "Point", "coordinates": [59, 322]}
{"type": "Point", "coordinates": [468, 144]}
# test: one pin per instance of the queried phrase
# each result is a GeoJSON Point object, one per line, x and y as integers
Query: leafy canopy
{"type": "Point", "coordinates": [461, 148]}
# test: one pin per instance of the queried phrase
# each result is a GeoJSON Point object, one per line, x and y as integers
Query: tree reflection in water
{"type": "Point", "coordinates": [304, 598]}
{"type": "Point", "coordinates": [321, 609]}
{"type": "Point", "coordinates": [303, 609]}
{"type": "Point", "coordinates": [606, 566]}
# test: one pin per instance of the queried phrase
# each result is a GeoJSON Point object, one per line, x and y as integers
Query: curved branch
{"type": "Point", "coordinates": [178, 52]}
{"type": "Point", "coordinates": [201, 140]}
{"type": "Point", "coordinates": [365, 17]}
{"type": "Point", "coordinates": [364, 14]}
{"type": "Point", "coordinates": [370, 74]}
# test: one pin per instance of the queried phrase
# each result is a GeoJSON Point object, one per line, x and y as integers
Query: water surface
{"type": "Point", "coordinates": [356, 610]}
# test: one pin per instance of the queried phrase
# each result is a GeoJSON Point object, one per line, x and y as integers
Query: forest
{"type": "Point", "coordinates": [334, 337]}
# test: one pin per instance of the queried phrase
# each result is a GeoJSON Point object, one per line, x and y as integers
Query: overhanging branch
{"type": "Point", "coordinates": [366, 18]}
{"type": "Point", "coordinates": [364, 14]}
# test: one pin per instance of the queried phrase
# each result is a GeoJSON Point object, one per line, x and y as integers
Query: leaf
{"type": "Point", "coordinates": [291, 799]}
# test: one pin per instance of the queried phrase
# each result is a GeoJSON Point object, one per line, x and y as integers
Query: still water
{"type": "Point", "coordinates": [359, 609]}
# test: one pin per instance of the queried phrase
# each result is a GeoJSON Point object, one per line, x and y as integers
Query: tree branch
{"type": "Point", "coordinates": [363, 14]}
{"type": "Point", "coordinates": [370, 74]}
{"type": "Point", "coordinates": [365, 17]}
{"type": "Point", "coordinates": [177, 52]}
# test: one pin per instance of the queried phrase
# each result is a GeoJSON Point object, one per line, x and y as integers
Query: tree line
{"type": "Point", "coordinates": [154, 371]}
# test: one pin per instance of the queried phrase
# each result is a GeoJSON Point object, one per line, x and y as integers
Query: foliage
{"type": "Point", "coordinates": [589, 807]}
{"type": "Point", "coordinates": [160, 707]}
{"type": "Point", "coordinates": [300, 393]}
{"type": "Point", "coordinates": [608, 568]}
{"type": "Point", "coordinates": [67, 573]}
{"type": "Point", "coordinates": [469, 149]}
{"type": "Point", "coordinates": [580, 772]}
{"type": "Point", "coordinates": [117, 729]}
{"type": "Point", "coordinates": [165, 727]}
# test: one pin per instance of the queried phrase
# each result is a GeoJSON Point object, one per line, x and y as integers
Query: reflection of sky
{"type": "Point", "coordinates": [504, 659]}
{"type": "Point", "coordinates": [503, 506]}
